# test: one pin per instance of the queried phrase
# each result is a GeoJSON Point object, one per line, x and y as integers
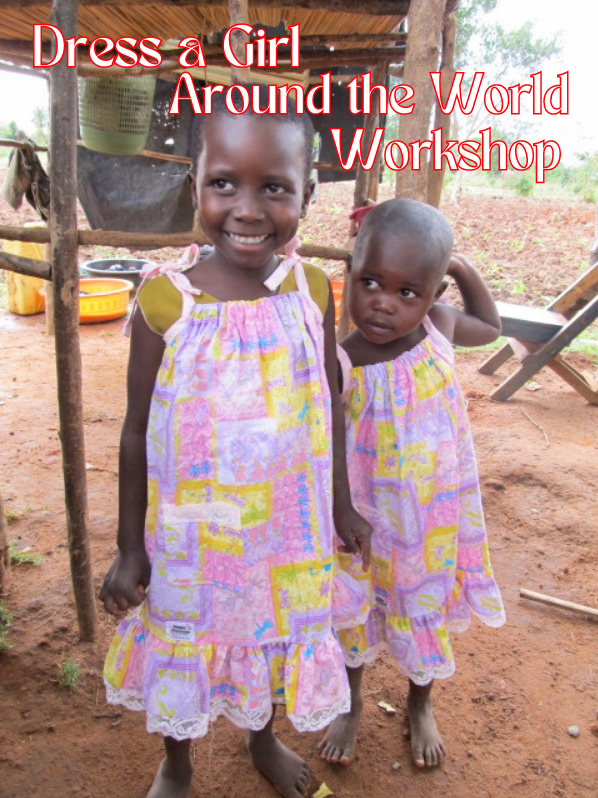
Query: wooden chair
{"type": "Point", "coordinates": [537, 336]}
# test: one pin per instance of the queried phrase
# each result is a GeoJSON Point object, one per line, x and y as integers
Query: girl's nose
{"type": "Point", "coordinates": [249, 207]}
{"type": "Point", "coordinates": [384, 303]}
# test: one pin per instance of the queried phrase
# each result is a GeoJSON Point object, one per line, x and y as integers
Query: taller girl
{"type": "Point", "coordinates": [226, 463]}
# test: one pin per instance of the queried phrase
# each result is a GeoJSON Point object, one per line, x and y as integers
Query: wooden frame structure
{"type": "Point", "coordinates": [329, 36]}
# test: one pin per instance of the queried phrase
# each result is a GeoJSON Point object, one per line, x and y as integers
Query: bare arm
{"type": "Point", "coordinates": [352, 529]}
{"type": "Point", "coordinates": [125, 583]}
{"type": "Point", "coordinates": [479, 322]}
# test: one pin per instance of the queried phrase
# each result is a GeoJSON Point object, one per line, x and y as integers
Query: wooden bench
{"type": "Point", "coordinates": [537, 336]}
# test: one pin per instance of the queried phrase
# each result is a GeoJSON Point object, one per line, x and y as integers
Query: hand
{"type": "Point", "coordinates": [354, 531]}
{"type": "Point", "coordinates": [126, 581]}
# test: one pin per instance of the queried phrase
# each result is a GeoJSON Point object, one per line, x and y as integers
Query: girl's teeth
{"type": "Point", "coordinates": [247, 239]}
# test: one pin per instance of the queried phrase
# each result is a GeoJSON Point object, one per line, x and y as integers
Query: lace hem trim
{"type": "Point", "coordinates": [190, 728]}
{"type": "Point", "coordinates": [419, 677]}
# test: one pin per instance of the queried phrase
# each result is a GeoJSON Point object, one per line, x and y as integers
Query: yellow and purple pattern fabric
{"type": "Point", "coordinates": [413, 474]}
{"type": "Point", "coordinates": [238, 614]}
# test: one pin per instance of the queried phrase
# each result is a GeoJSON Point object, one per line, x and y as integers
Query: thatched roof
{"type": "Point", "coordinates": [169, 19]}
{"type": "Point", "coordinates": [350, 21]}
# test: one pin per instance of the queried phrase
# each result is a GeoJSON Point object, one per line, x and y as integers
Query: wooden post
{"type": "Point", "coordinates": [63, 241]}
{"type": "Point", "coordinates": [49, 296]}
{"type": "Point", "coordinates": [379, 76]}
{"type": "Point", "coordinates": [238, 13]}
{"type": "Point", "coordinates": [443, 121]}
{"type": "Point", "coordinates": [4, 551]}
{"type": "Point", "coordinates": [421, 58]}
{"type": "Point", "coordinates": [370, 123]}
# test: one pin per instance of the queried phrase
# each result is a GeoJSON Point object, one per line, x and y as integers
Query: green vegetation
{"type": "Point", "coordinates": [5, 619]}
{"type": "Point", "coordinates": [70, 673]}
{"type": "Point", "coordinates": [23, 557]}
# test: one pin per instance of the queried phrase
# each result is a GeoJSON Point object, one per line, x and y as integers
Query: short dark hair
{"type": "Point", "coordinates": [409, 217]}
{"type": "Point", "coordinates": [292, 117]}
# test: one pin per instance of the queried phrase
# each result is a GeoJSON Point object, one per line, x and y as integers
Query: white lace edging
{"type": "Point", "coordinates": [419, 677]}
{"type": "Point", "coordinates": [321, 718]}
{"type": "Point", "coordinates": [494, 621]}
{"type": "Point", "coordinates": [191, 728]}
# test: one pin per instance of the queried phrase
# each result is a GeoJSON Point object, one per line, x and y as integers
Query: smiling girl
{"type": "Point", "coordinates": [232, 471]}
{"type": "Point", "coordinates": [411, 462]}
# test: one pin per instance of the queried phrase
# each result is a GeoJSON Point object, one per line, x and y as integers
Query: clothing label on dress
{"type": "Point", "coordinates": [179, 630]}
{"type": "Point", "coordinates": [221, 513]}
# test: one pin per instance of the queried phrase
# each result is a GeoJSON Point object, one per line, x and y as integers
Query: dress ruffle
{"type": "Point", "coordinates": [183, 687]}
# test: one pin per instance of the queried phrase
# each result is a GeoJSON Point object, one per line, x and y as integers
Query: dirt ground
{"type": "Point", "coordinates": [504, 716]}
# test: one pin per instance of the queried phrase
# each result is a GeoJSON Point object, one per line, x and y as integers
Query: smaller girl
{"type": "Point", "coordinates": [411, 462]}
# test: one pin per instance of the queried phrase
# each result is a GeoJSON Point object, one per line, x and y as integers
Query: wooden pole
{"type": "Point", "coordinates": [238, 13]}
{"type": "Point", "coordinates": [50, 326]}
{"type": "Point", "coordinates": [379, 76]}
{"type": "Point", "coordinates": [421, 58]}
{"type": "Point", "coordinates": [542, 598]}
{"type": "Point", "coordinates": [63, 241]}
{"type": "Point", "coordinates": [27, 266]}
{"type": "Point", "coordinates": [443, 121]}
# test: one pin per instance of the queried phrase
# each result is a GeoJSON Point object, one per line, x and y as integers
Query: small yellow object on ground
{"type": "Point", "coordinates": [322, 791]}
{"type": "Point", "coordinates": [390, 710]}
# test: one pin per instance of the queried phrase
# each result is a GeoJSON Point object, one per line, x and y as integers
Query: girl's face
{"type": "Point", "coordinates": [392, 286]}
{"type": "Point", "coordinates": [251, 187]}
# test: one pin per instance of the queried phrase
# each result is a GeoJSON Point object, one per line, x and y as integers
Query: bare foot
{"type": "Point", "coordinates": [172, 781]}
{"type": "Point", "coordinates": [338, 744]}
{"type": "Point", "coordinates": [282, 767]}
{"type": "Point", "coordinates": [426, 744]}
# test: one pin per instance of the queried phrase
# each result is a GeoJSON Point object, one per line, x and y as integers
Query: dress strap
{"type": "Point", "coordinates": [290, 260]}
{"type": "Point", "coordinates": [176, 275]}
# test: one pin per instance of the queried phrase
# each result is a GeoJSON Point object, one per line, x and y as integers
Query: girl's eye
{"type": "Point", "coordinates": [370, 284]}
{"type": "Point", "coordinates": [407, 293]}
{"type": "Point", "coordinates": [274, 188]}
{"type": "Point", "coordinates": [221, 184]}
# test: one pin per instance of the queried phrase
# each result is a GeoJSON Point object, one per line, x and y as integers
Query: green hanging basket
{"type": "Point", "coordinates": [115, 113]}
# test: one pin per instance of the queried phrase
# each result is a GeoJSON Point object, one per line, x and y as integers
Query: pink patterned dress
{"type": "Point", "coordinates": [238, 614]}
{"type": "Point", "coordinates": [413, 475]}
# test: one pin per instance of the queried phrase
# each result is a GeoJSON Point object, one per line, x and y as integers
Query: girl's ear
{"type": "Point", "coordinates": [441, 289]}
{"type": "Point", "coordinates": [308, 192]}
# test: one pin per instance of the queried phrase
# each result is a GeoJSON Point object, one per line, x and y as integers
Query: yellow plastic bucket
{"type": "Point", "coordinates": [23, 292]}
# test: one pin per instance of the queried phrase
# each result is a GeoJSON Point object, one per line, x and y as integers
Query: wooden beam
{"type": "Point", "coordinates": [373, 8]}
{"type": "Point", "coordinates": [20, 145]}
{"type": "Point", "coordinates": [26, 266]}
{"type": "Point", "coordinates": [63, 237]}
{"type": "Point", "coordinates": [115, 238]}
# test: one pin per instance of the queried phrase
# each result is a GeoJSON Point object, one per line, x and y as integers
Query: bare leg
{"type": "Point", "coordinates": [173, 779]}
{"type": "Point", "coordinates": [426, 744]}
{"type": "Point", "coordinates": [338, 744]}
{"type": "Point", "coordinates": [282, 767]}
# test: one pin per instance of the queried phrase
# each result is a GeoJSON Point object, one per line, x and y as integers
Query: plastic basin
{"type": "Point", "coordinates": [131, 269]}
{"type": "Point", "coordinates": [103, 299]}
